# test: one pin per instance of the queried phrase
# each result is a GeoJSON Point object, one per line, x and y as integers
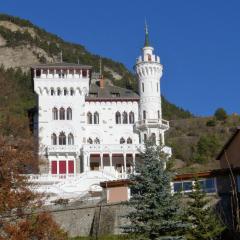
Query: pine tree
{"type": "Point", "coordinates": [203, 221]}
{"type": "Point", "coordinates": [157, 212]}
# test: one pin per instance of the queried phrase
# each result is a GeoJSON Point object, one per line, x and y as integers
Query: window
{"type": "Point", "coordinates": [122, 140]}
{"type": "Point", "coordinates": [97, 141]}
{"type": "Point", "coordinates": [89, 118]}
{"type": "Point", "coordinates": [69, 113]}
{"type": "Point", "coordinates": [62, 138]}
{"type": "Point", "coordinates": [84, 73]}
{"type": "Point", "coordinates": [185, 186]}
{"type": "Point", "coordinates": [153, 138]}
{"type": "Point", "coordinates": [118, 118]}
{"type": "Point", "coordinates": [71, 92]}
{"type": "Point", "coordinates": [115, 94]}
{"type": "Point", "coordinates": [38, 72]}
{"type": "Point", "coordinates": [129, 141]}
{"type": "Point", "coordinates": [93, 94]}
{"type": "Point", "coordinates": [58, 91]}
{"type": "Point", "coordinates": [145, 137]}
{"type": "Point", "coordinates": [96, 118]}
{"type": "Point", "coordinates": [62, 114]}
{"type": "Point", "coordinates": [142, 87]}
{"type": "Point", "coordinates": [131, 117]}
{"type": "Point", "coordinates": [208, 185]}
{"type": "Point", "coordinates": [149, 57]}
{"type": "Point", "coordinates": [65, 92]}
{"type": "Point", "coordinates": [125, 118]}
{"type": "Point", "coordinates": [70, 139]}
{"type": "Point", "coordinates": [144, 115]}
{"type": "Point", "coordinates": [159, 114]}
{"type": "Point", "coordinates": [55, 114]}
{"type": "Point", "coordinates": [90, 141]}
{"type": "Point", "coordinates": [52, 92]}
{"type": "Point", "coordinates": [54, 139]}
{"type": "Point", "coordinates": [157, 87]}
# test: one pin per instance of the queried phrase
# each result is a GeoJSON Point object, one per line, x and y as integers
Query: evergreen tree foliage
{"type": "Point", "coordinates": [156, 213]}
{"type": "Point", "coordinates": [203, 221]}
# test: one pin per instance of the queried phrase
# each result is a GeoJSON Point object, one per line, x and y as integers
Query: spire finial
{"type": "Point", "coordinates": [146, 44]}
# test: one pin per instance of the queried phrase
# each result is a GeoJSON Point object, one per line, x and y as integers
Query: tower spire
{"type": "Point", "coordinates": [146, 44]}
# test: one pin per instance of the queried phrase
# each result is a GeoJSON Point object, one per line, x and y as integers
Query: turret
{"type": "Point", "coordinates": [149, 71]}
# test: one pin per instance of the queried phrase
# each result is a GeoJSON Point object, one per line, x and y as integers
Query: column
{"type": "Point", "coordinates": [66, 166]}
{"type": "Point", "coordinates": [110, 158]}
{"type": "Point", "coordinates": [134, 162]}
{"type": "Point", "coordinates": [125, 164]}
{"type": "Point", "coordinates": [101, 161]}
{"type": "Point", "coordinates": [88, 161]}
{"type": "Point", "coordinates": [74, 166]}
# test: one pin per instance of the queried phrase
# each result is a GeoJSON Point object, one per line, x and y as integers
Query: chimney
{"type": "Point", "coordinates": [101, 82]}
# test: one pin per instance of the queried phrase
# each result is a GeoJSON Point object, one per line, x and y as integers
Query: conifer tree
{"type": "Point", "coordinates": [156, 211]}
{"type": "Point", "coordinates": [203, 221]}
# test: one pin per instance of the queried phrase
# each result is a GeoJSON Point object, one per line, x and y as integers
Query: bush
{"type": "Point", "coordinates": [220, 114]}
{"type": "Point", "coordinates": [211, 123]}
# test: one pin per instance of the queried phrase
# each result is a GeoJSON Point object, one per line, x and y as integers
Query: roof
{"type": "Point", "coordinates": [206, 174]}
{"type": "Point", "coordinates": [109, 92]}
{"type": "Point", "coordinates": [228, 143]}
{"type": "Point", "coordinates": [61, 65]}
{"type": "Point", "coordinates": [115, 183]}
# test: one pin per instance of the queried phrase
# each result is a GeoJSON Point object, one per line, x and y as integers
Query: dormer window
{"type": "Point", "coordinates": [93, 94]}
{"type": "Point", "coordinates": [115, 94]}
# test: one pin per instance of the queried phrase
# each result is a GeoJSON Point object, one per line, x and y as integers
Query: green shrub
{"type": "Point", "coordinates": [220, 114]}
{"type": "Point", "coordinates": [211, 123]}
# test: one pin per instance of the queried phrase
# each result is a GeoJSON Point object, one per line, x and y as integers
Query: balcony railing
{"type": "Point", "coordinates": [62, 149]}
{"type": "Point", "coordinates": [113, 148]}
{"type": "Point", "coordinates": [152, 123]}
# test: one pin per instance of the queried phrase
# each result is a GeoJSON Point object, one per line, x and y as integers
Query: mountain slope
{"type": "Point", "coordinates": [23, 44]}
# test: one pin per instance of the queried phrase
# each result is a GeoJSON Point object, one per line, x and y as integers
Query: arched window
{"type": "Point", "coordinates": [62, 113]}
{"type": "Point", "coordinates": [58, 91]}
{"type": "Point", "coordinates": [153, 138]}
{"type": "Point", "coordinates": [122, 140]}
{"type": "Point", "coordinates": [97, 141]}
{"type": "Point", "coordinates": [129, 141]}
{"type": "Point", "coordinates": [55, 113]}
{"type": "Point", "coordinates": [96, 118]}
{"type": "Point", "coordinates": [70, 139]}
{"type": "Point", "coordinates": [142, 87]}
{"type": "Point", "coordinates": [90, 141]}
{"type": "Point", "coordinates": [131, 117]}
{"type": "Point", "coordinates": [144, 114]}
{"type": "Point", "coordinates": [125, 117]}
{"type": "Point", "coordinates": [62, 139]}
{"type": "Point", "coordinates": [118, 118]}
{"type": "Point", "coordinates": [89, 118]}
{"type": "Point", "coordinates": [145, 137]}
{"type": "Point", "coordinates": [52, 92]}
{"type": "Point", "coordinates": [69, 113]}
{"type": "Point", "coordinates": [54, 139]}
{"type": "Point", "coordinates": [65, 92]}
{"type": "Point", "coordinates": [71, 92]}
{"type": "Point", "coordinates": [149, 57]}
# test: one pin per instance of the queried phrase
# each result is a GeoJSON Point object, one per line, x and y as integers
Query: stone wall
{"type": "Point", "coordinates": [91, 220]}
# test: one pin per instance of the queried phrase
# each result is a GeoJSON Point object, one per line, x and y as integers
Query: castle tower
{"type": "Point", "coordinates": [149, 71]}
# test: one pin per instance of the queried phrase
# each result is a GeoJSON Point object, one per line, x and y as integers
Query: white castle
{"type": "Point", "coordinates": [85, 126]}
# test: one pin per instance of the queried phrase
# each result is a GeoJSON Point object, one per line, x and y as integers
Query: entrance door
{"type": "Point", "coordinates": [54, 167]}
{"type": "Point", "coordinates": [62, 167]}
{"type": "Point", "coordinates": [70, 166]}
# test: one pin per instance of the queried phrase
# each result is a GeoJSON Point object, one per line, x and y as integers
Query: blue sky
{"type": "Point", "coordinates": [198, 41]}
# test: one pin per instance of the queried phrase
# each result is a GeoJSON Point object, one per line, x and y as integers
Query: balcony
{"type": "Point", "coordinates": [111, 148]}
{"type": "Point", "coordinates": [62, 149]}
{"type": "Point", "coordinates": [152, 123]}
